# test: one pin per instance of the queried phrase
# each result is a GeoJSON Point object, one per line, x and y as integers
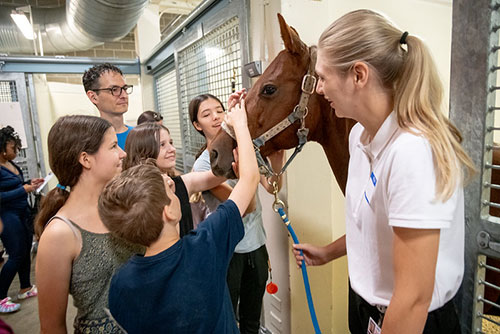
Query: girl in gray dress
{"type": "Point", "coordinates": [77, 255]}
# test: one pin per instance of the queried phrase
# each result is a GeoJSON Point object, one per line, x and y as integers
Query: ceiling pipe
{"type": "Point", "coordinates": [80, 25]}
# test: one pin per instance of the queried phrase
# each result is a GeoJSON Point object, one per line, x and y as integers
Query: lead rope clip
{"type": "Point", "coordinates": [277, 202]}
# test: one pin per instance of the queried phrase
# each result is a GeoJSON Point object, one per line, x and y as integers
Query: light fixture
{"type": "Point", "coordinates": [23, 23]}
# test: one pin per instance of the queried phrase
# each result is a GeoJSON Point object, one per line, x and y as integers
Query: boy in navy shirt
{"type": "Point", "coordinates": [179, 285]}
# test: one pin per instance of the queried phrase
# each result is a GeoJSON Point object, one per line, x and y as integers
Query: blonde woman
{"type": "Point", "coordinates": [404, 196]}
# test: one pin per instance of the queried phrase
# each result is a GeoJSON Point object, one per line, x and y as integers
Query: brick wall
{"type": "Point", "coordinates": [130, 79]}
{"type": "Point", "coordinates": [124, 48]}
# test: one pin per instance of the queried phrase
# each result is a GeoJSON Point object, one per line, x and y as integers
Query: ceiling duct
{"type": "Point", "coordinates": [80, 25]}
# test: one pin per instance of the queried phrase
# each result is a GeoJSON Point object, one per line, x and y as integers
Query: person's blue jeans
{"type": "Point", "coordinates": [16, 238]}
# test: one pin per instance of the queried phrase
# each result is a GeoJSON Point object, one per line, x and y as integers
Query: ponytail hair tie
{"type": "Point", "coordinates": [65, 188]}
{"type": "Point", "coordinates": [402, 40]}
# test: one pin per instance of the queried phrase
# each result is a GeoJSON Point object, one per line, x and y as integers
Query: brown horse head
{"type": "Point", "coordinates": [273, 98]}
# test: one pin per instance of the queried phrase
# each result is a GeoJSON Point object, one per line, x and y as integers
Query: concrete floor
{"type": "Point", "coordinates": [25, 321]}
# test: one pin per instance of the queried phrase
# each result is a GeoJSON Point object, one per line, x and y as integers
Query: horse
{"type": "Point", "coordinates": [273, 98]}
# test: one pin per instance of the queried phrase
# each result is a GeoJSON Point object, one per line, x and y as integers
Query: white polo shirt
{"type": "Point", "coordinates": [392, 183]}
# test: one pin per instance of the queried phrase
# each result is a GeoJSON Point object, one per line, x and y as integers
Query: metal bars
{"type": "Point", "coordinates": [168, 106]}
{"type": "Point", "coordinates": [8, 91]}
{"type": "Point", "coordinates": [473, 109]}
{"type": "Point", "coordinates": [13, 88]}
{"type": "Point", "coordinates": [487, 287]}
{"type": "Point", "coordinates": [210, 65]}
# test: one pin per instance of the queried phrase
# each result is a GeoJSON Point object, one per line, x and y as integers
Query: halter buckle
{"type": "Point", "coordinates": [308, 84]}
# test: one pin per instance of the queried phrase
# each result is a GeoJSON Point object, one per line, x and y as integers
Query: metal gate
{"type": "Point", "coordinates": [17, 88]}
{"type": "Point", "coordinates": [475, 109]}
{"type": "Point", "coordinates": [210, 65]}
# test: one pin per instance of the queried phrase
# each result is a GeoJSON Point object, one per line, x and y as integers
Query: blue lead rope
{"type": "Point", "coordinates": [304, 272]}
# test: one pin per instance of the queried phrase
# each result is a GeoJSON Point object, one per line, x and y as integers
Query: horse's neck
{"type": "Point", "coordinates": [333, 134]}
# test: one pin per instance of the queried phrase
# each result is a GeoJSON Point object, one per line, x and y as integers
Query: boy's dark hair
{"type": "Point", "coordinates": [91, 76]}
{"type": "Point", "coordinates": [131, 205]}
{"type": "Point", "coordinates": [7, 135]}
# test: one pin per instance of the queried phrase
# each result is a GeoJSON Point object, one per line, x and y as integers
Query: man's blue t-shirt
{"type": "Point", "coordinates": [122, 137]}
{"type": "Point", "coordinates": [182, 289]}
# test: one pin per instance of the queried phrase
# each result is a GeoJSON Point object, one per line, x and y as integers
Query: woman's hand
{"type": "Point", "coordinates": [37, 182]}
{"type": "Point", "coordinates": [316, 256]}
{"type": "Point", "coordinates": [33, 185]}
{"type": "Point", "coordinates": [29, 188]}
{"type": "Point", "coordinates": [313, 255]}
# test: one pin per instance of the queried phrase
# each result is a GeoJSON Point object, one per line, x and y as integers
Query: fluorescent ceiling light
{"type": "Point", "coordinates": [23, 24]}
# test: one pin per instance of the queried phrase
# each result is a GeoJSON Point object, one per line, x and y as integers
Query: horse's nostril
{"type": "Point", "coordinates": [213, 155]}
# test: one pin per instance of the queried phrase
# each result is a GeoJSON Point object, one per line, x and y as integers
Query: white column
{"type": "Point", "coordinates": [147, 36]}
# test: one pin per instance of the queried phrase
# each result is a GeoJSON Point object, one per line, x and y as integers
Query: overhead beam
{"type": "Point", "coordinates": [32, 64]}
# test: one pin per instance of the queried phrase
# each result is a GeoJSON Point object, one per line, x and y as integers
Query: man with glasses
{"type": "Point", "coordinates": [107, 90]}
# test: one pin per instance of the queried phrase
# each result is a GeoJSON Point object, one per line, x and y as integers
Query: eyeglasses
{"type": "Point", "coordinates": [117, 90]}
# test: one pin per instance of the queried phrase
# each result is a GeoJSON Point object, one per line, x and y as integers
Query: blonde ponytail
{"type": "Point", "coordinates": [418, 100]}
{"type": "Point", "coordinates": [409, 74]}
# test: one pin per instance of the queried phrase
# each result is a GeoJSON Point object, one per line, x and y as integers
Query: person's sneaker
{"type": "Point", "coordinates": [33, 292]}
{"type": "Point", "coordinates": [6, 306]}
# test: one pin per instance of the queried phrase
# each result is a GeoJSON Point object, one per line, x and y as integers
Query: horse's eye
{"type": "Point", "coordinates": [269, 90]}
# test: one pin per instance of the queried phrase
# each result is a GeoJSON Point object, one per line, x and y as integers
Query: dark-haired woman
{"type": "Point", "coordinates": [16, 236]}
{"type": "Point", "coordinates": [77, 255]}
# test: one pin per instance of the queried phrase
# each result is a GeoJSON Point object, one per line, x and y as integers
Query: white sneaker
{"type": "Point", "coordinates": [33, 292]}
{"type": "Point", "coordinates": [6, 306]}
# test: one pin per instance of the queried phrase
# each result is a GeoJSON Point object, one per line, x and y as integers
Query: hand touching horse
{"type": "Point", "coordinates": [274, 97]}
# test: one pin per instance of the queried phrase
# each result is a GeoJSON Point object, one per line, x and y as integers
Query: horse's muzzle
{"type": "Point", "coordinates": [221, 155]}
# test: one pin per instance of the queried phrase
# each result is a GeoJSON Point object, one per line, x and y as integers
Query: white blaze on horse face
{"type": "Point", "coordinates": [210, 116]}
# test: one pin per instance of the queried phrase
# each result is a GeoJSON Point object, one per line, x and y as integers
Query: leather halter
{"type": "Point", "coordinates": [299, 113]}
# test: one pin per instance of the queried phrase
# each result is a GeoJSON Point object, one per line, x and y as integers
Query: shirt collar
{"type": "Point", "coordinates": [382, 137]}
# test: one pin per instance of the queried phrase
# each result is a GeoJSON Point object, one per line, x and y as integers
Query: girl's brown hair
{"type": "Point", "coordinates": [143, 142]}
{"type": "Point", "coordinates": [68, 138]}
{"type": "Point", "coordinates": [194, 107]}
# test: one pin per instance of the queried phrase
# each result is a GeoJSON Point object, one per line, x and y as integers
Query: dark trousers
{"type": "Point", "coordinates": [16, 238]}
{"type": "Point", "coordinates": [440, 321]}
{"type": "Point", "coordinates": [246, 279]}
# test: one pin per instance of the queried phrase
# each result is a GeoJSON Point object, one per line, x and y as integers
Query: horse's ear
{"type": "Point", "coordinates": [290, 37]}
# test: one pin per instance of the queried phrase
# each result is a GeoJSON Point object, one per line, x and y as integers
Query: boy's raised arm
{"type": "Point", "coordinates": [245, 189]}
